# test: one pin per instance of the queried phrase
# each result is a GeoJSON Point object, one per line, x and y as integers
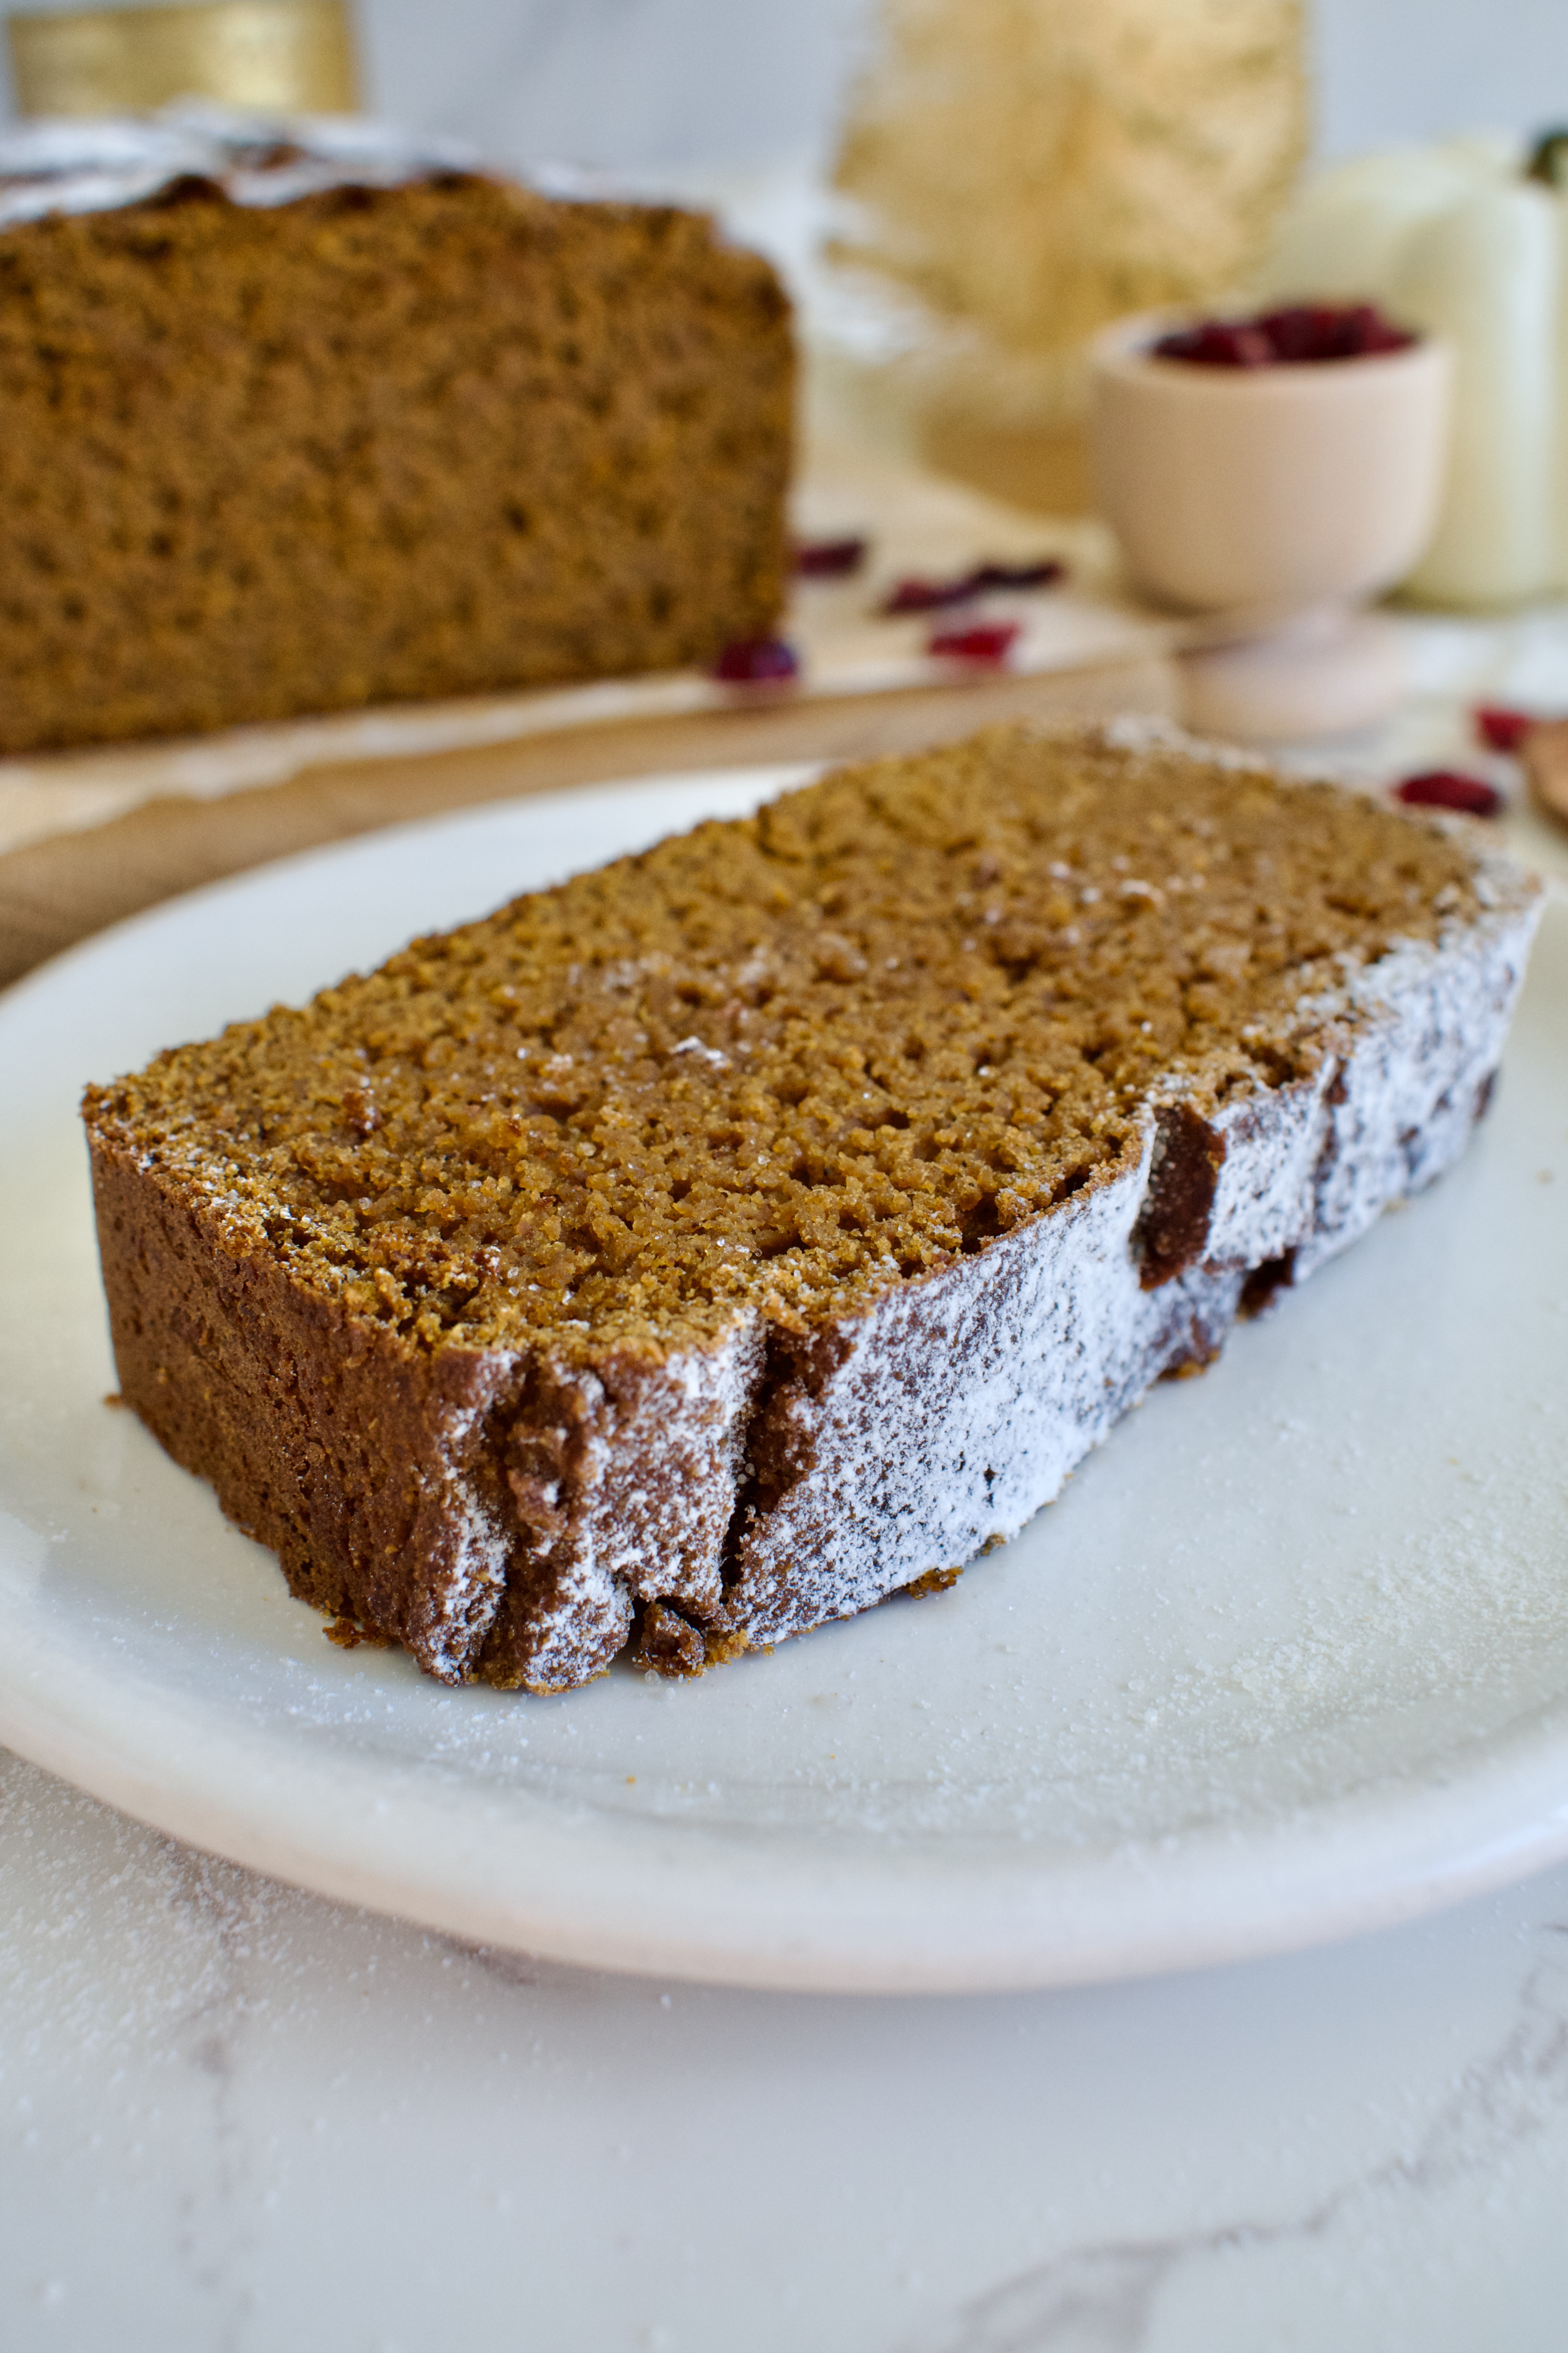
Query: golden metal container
{"type": "Point", "coordinates": [288, 56]}
{"type": "Point", "coordinates": [1023, 172]}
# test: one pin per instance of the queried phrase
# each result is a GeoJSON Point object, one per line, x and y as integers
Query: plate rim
{"type": "Point", "coordinates": [1366, 1862]}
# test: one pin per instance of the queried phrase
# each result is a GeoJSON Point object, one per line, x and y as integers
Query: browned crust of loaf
{"type": "Point", "coordinates": [440, 439]}
{"type": "Point", "coordinates": [327, 1439]}
{"type": "Point", "coordinates": [317, 1438]}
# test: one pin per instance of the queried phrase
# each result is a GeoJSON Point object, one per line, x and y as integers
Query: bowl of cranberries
{"type": "Point", "coordinates": [1292, 459]}
{"type": "Point", "coordinates": [1301, 334]}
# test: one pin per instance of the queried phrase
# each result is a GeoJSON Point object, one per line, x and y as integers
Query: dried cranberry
{"type": "Point", "coordinates": [915, 595]}
{"type": "Point", "coordinates": [1317, 330]}
{"type": "Point", "coordinates": [989, 642]}
{"type": "Point", "coordinates": [751, 660]}
{"type": "Point", "coordinates": [1218, 342]}
{"type": "Point", "coordinates": [1448, 788]}
{"type": "Point", "coordinates": [828, 559]}
{"type": "Point", "coordinates": [1365, 332]}
{"type": "Point", "coordinates": [1043, 573]}
{"type": "Point", "coordinates": [1501, 729]}
{"type": "Point", "coordinates": [926, 596]}
{"type": "Point", "coordinates": [1296, 333]}
{"type": "Point", "coordinates": [1302, 332]}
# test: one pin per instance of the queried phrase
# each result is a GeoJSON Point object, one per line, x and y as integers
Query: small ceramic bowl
{"type": "Point", "coordinates": [1278, 499]}
{"type": "Point", "coordinates": [1288, 487]}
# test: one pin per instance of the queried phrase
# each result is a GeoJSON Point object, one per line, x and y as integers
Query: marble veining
{"type": "Point", "coordinates": [238, 2119]}
{"type": "Point", "coordinates": [1102, 2298]}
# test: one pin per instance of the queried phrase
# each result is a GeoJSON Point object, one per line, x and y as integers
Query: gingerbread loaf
{"type": "Point", "coordinates": [748, 1230]}
{"type": "Point", "coordinates": [295, 429]}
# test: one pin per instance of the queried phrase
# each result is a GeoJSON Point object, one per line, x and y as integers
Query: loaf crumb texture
{"type": "Point", "coordinates": [375, 444]}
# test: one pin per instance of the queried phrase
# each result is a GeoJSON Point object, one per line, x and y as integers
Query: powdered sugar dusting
{"type": "Point", "coordinates": [88, 165]}
{"type": "Point", "coordinates": [465, 1602]}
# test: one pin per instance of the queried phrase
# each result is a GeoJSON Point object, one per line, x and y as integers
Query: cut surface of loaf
{"type": "Point", "coordinates": [378, 442]}
{"type": "Point", "coordinates": [736, 1234]}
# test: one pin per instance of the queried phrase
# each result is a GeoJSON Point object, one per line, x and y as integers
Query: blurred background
{"type": "Point", "coordinates": [989, 213]}
{"type": "Point", "coordinates": [671, 85]}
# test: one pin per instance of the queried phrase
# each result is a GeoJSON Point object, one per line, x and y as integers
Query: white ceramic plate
{"type": "Point", "coordinates": [1288, 1659]}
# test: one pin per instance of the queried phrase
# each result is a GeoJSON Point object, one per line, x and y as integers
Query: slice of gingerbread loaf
{"type": "Point", "coordinates": [747, 1229]}
{"type": "Point", "coordinates": [294, 429]}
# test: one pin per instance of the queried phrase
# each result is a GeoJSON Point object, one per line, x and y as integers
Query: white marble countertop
{"type": "Point", "coordinates": [235, 2116]}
